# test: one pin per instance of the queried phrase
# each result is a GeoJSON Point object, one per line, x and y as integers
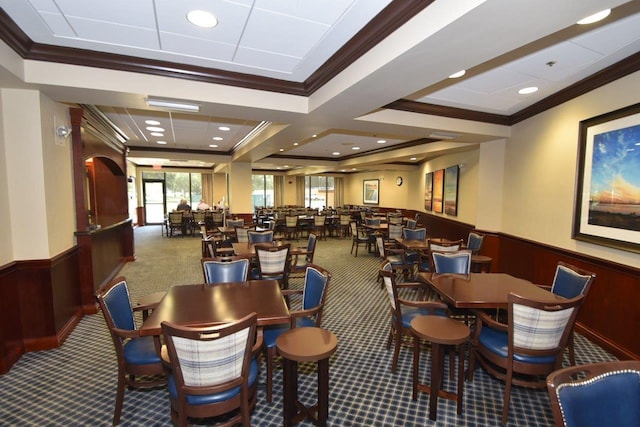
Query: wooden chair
{"type": "Point", "coordinates": [273, 263]}
{"type": "Point", "coordinates": [358, 237]}
{"type": "Point", "coordinates": [596, 394]}
{"type": "Point", "coordinates": [214, 370]}
{"type": "Point", "coordinates": [242, 234]}
{"type": "Point", "coordinates": [319, 226]}
{"type": "Point", "coordinates": [176, 223]}
{"type": "Point", "coordinates": [260, 236]}
{"type": "Point", "coordinates": [216, 270]}
{"type": "Point", "coordinates": [343, 225]}
{"type": "Point", "coordinates": [314, 295]}
{"type": "Point", "coordinates": [474, 242]}
{"type": "Point", "coordinates": [529, 347]}
{"type": "Point", "coordinates": [139, 365]}
{"type": "Point", "coordinates": [292, 230]}
{"type": "Point", "coordinates": [304, 256]}
{"type": "Point", "coordinates": [403, 311]}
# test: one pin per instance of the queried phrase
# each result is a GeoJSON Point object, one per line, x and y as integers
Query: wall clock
{"type": "Point", "coordinates": [399, 181]}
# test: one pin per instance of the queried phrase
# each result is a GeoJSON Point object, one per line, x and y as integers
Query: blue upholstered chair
{"type": "Point", "coordinates": [403, 311]}
{"type": "Point", "coordinates": [529, 347]}
{"type": "Point", "coordinates": [273, 263]}
{"type": "Point", "coordinates": [598, 394]}
{"type": "Point", "coordinates": [314, 294]}
{"type": "Point", "coordinates": [474, 242]}
{"type": "Point", "coordinates": [570, 281]}
{"type": "Point", "coordinates": [412, 223]}
{"type": "Point", "coordinates": [260, 236]}
{"type": "Point", "coordinates": [452, 262]}
{"type": "Point", "coordinates": [213, 370]}
{"type": "Point", "coordinates": [218, 271]}
{"type": "Point", "coordinates": [232, 223]}
{"type": "Point", "coordinates": [139, 365]}
{"type": "Point", "coordinates": [414, 233]}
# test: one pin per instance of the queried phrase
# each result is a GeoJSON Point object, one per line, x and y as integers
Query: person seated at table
{"type": "Point", "coordinates": [203, 206]}
{"type": "Point", "coordinates": [183, 205]}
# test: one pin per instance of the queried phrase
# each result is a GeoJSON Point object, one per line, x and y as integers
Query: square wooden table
{"type": "Point", "coordinates": [223, 302]}
{"type": "Point", "coordinates": [483, 290]}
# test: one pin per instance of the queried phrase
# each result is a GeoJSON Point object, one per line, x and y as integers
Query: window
{"type": "Point", "coordinates": [262, 194]}
{"type": "Point", "coordinates": [178, 185]}
{"type": "Point", "coordinates": [318, 191]}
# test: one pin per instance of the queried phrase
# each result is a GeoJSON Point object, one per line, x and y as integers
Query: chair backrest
{"type": "Point", "coordinates": [198, 216]}
{"type": "Point", "coordinates": [414, 233]}
{"type": "Point", "coordinates": [451, 246]}
{"type": "Point", "coordinates": [115, 303]}
{"type": "Point", "coordinates": [231, 223]}
{"type": "Point", "coordinates": [175, 218]}
{"type": "Point", "coordinates": [380, 245]}
{"type": "Point", "coordinates": [210, 359]}
{"type": "Point", "coordinates": [412, 223]}
{"type": "Point", "coordinates": [242, 234]}
{"type": "Point", "coordinates": [260, 236]}
{"type": "Point", "coordinates": [452, 262]}
{"type": "Point", "coordinates": [373, 221]}
{"type": "Point", "coordinates": [272, 260]}
{"type": "Point", "coordinates": [354, 229]}
{"type": "Point", "coordinates": [474, 242]}
{"type": "Point", "coordinates": [218, 271]}
{"type": "Point", "coordinates": [540, 328]}
{"type": "Point", "coordinates": [394, 219]}
{"type": "Point", "coordinates": [311, 247]}
{"type": "Point", "coordinates": [314, 294]}
{"type": "Point", "coordinates": [217, 218]}
{"type": "Point", "coordinates": [605, 393]}
{"type": "Point", "coordinates": [291, 221]}
{"type": "Point", "coordinates": [345, 219]}
{"type": "Point", "coordinates": [395, 231]}
{"type": "Point", "coordinates": [319, 220]}
{"type": "Point", "coordinates": [389, 279]}
{"type": "Point", "coordinates": [571, 281]}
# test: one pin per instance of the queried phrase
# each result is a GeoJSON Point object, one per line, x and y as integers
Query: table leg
{"type": "Point", "coordinates": [323, 392]}
{"type": "Point", "coordinates": [290, 390]}
{"type": "Point", "coordinates": [460, 378]}
{"type": "Point", "coordinates": [416, 366]}
{"type": "Point", "coordinates": [437, 366]}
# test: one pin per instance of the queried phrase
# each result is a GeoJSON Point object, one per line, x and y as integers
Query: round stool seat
{"type": "Point", "coordinates": [440, 330]}
{"type": "Point", "coordinates": [307, 344]}
{"type": "Point", "coordinates": [480, 263]}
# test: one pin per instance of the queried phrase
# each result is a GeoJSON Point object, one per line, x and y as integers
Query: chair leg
{"type": "Point", "coordinates": [396, 351]}
{"type": "Point", "coordinates": [270, 353]}
{"type": "Point", "coordinates": [572, 353]}
{"type": "Point", "coordinates": [507, 396]}
{"type": "Point", "coordinates": [119, 398]}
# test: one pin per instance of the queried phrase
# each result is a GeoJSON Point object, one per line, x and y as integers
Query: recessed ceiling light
{"type": "Point", "coordinates": [336, 153]}
{"type": "Point", "coordinates": [595, 17]}
{"type": "Point", "coordinates": [157, 134]}
{"type": "Point", "coordinates": [161, 142]}
{"type": "Point", "coordinates": [314, 135]}
{"type": "Point", "coordinates": [354, 169]}
{"type": "Point", "coordinates": [286, 166]}
{"type": "Point", "coordinates": [213, 145]}
{"type": "Point", "coordinates": [202, 19]}
{"type": "Point", "coordinates": [155, 129]}
{"type": "Point", "coordinates": [278, 168]}
{"type": "Point", "coordinates": [152, 122]}
{"type": "Point", "coordinates": [296, 144]}
{"type": "Point", "coordinates": [528, 90]}
{"type": "Point", "coordinates": [458, 74]}
{"type": "Point", "coordinates": [355, 148]}
{"type": "Point", "coordinates": [217, 138]}
{"type": "Point", "coordinates": [224, 128]}
{"type": "Point", "coordinates": [343, 170]}
{"type": "Point", "coordinates": [282, 149]}
{"type": "Point", "coordinates": [413, 158]}
{"type": "Point", "coordinates": [381, 141]}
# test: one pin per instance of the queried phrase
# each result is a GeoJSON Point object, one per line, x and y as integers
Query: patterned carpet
{"type": "Point", "coordinates": [75, 384]}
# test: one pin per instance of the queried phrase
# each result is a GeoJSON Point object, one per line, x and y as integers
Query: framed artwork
{"type": "Point", "coordinates": [428, 191]}
{"type": "Point", "coordinates": [607, 207]}
{"type": "Point", "coordinates": [451, 175]}
{"type": "Point", "coordinates": [371, 191]}
{"type": "Point", "coordinates": [438, 188]}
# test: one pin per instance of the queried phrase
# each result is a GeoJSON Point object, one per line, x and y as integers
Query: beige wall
{"type": "Point", "coordinates": [6, 242]}
{"type": "Point", "coordinates": [540, 170]}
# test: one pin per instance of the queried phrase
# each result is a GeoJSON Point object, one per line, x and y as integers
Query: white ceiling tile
{"type": "Point", "coordinates": [109, 33]}
{"type": "Point", "coordinates": [137, 13]}
{"type": "Point", "coordinates": [281, 34]}
{"type": "Point", "coordinates": [58, 25]}
{"type": "Point", "coordinates": [606, 40]}
{"type": "Point", "coordinates": [311, 10]}
{"type": "Point", "coordinates": [493, 80]}
{"type": "Point", "coordinates": [266, 60]}
{"type": "Point", "coordinates": [44, 6]}
{"type": "Point", "coordinates": [457, 96]}
{"type": "Point", "coordinates": [189, 46]}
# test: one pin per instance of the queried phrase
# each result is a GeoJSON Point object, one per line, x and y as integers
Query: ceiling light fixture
{"type": "Point", "coordinates": [173, 105]}
{"type": "Point", "coordinates": [217, 138]}
{"type": "Point", "coordinates": [528, 90]}
{"type": "Point", "coordinates": [355, 148]}
{"type": "Point", "coordinates": [213, 145]}
{"type": "Point", "coordinates": [443, 135]}
{"type": "Point", "coordinates": [595, 17]}
{"type": "Point", "coordinates": [458, 74]}
{"type": "Point", "coordinates": [253, 132]}
{"type": "Point", "coordinates": [152, 122]}
{"type": "Point", "coordinates": [224, 128]}
{"type": "Point", "coordinates": [281, 150]}
{"type": "Point", "coordinates": [157, 134]}
{"type": "Point", "coordinates": [295, 144]}
{"type": "Point", "coordinates": [161, 142]}
{"type": "Point", "coordinates": [413, 158]}
{"type": "Point", "coordinates": [155, 129]}
{"type": "Point", "coordinates": [336, 153]}
{"type": "Point", "coordinates": [381, 141]}
{"type": "Point", "coordinates": [202, 19]}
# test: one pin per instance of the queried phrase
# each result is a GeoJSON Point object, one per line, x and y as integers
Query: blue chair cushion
{"type": "Point", "coordinates": [497, 342]}
{"type": "Point", "coordinates": [141, 351]}
{"type": "Point", "coordinates": [213, 398]}
{"type": "Point", "coordinates": [271, 333]}
{"type": "Point", "coordinates": [408, 314]}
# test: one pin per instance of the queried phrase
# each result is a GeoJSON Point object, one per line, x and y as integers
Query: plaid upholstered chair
{"type": "Point", "coordinates": [219, 271]}
{"type": "Point", "coordinates": [260, 236]}
{"type": "Point", "coordinates": [139, 365]}
{"type": "Point", "coordinates": [597, 394]}
{"type": "Point", "coordinates": [529, 347]}
{"type": "Point", "coordinates": [273, 263]}
{"type": "Point", "coordinates": [213, 370]}
{"type": "Point", "coordinates": [314, 294]}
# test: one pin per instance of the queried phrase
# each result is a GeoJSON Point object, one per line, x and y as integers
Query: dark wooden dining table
{"type": "Point", "coordinates": [224, 302]}
{"type": "Point", "coordinates": [483, 290]}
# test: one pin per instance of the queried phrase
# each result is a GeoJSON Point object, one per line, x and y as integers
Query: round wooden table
{"type": "Point", "coordinates": [441, 332]}
{"type": "Point", "coordinates": [309, 344]}
{"type": "Point", "coordinates": [481, 263]}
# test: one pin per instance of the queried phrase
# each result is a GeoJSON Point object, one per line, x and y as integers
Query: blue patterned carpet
{"type": "Point", "coordinates": [75, 384]}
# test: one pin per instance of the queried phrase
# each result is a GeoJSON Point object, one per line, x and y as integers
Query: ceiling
{"type": "Point", "coordinates": [309, 86]}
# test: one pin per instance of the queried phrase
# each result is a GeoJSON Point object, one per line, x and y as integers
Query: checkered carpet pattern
{"type": "Point", "coordinates": [75, 385]}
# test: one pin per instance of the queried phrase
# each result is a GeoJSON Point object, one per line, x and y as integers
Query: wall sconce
{"type": "Point", "coordinates": [63, 131]}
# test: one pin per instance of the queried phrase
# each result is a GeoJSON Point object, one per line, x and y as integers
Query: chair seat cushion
{"type": "Point", "coordinates": [271, 333]}
{"type": "Point", "coordinates": [395, 260]}
{"type": "Point", "coordinates": [497, 342]}
{"type": "Point", "coordinates": [408, 314]}
{"type": "Point", "coordinates": [141, 351]}
{"type": "Point", "coordinates": [214, 398]}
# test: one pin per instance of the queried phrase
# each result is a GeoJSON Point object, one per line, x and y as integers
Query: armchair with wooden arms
{"type": "Point", "coordinates": [314, 295]}
{"type": "Point", "coordinates": [303, 256]}
{"type": "Point", "coordinates": [526, 349]}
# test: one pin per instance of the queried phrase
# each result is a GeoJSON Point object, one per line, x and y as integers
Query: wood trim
{"type": "Point", "coordinates": [451, 112]}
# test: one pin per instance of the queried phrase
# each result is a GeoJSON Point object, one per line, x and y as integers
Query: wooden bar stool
{"type": "Point", "coordinates": [308, 344]}
{"type": "Point", "coordinates": [441, 332]}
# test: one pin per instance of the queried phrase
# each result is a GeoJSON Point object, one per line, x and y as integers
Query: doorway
{"type": "Point", "coordinates": [154, 201]}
